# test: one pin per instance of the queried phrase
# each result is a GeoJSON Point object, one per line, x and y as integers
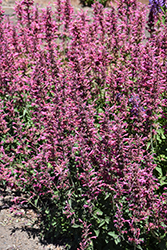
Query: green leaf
{"type": "Point", "coordinates": [24, 112]}
{"type": "Point", "coordinates": [113, 235]}
{"type": "Point", "coordinates": [36, 202]}
{"type": "Point", "coordinates": [97, 232]}
{"type": "Point", "coordinates": [163, 19]}
{"type": "Point", "coordinates": [106, 241]}
{"type": "Point", "coordinates": [148, 145]}
{"type": "Point", "coordinates": [100, 110]}
{"type": "Point", "coordinates": [116, 237]}
{"type": "Point", "coordinates": [161, 132]}
{"type": "Point", "coordinates": [139, 247]}
{"type": "Point", "coordinates": [102, 223]}
{"type": "Point", "coordinates": [76, 226]}
{"type": "Point", "coordinates": [107, 196]}
{"type": "Point", "coordinates": [163, 182]}
{"type": "Point", "coordinates": [46, 211]}
{"type": "Point", "coordinates": [98, 212]}
{"type": "Point", "coordinates": [107, 219]}
{"type": "Point", "coordinates": [118, 240]}
{"type": "Point", "coordinates": [159, 170]}
{"type": "Point", "coordinates": [54, 223]}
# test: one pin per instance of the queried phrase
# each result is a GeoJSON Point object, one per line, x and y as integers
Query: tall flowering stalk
{"type": "Point", "coordinates": [156, 7]}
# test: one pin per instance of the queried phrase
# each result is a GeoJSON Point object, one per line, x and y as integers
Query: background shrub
{"type": "Point", "coordinates": [90, 2]}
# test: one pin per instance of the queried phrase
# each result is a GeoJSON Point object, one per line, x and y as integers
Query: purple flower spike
{"type": "Point", "coordinates": [156, 4]}
{"type": "Point", "coordinates": [155, 8]}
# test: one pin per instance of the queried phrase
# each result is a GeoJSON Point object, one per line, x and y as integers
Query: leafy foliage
{"type": "Point", "coordinates": [91, 2]}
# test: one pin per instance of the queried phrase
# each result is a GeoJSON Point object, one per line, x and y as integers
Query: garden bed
{"type": "Point", "coordinates": [83, 124]}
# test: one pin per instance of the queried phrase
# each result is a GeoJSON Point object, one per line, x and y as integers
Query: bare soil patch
{"type": "Point", "coordinates": [17, 228]}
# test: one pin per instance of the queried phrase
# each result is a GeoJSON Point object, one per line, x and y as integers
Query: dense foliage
{"type": "Point", "coordinates": [83, 128]}
{"type": "Point", "coordinates": [90, 2]}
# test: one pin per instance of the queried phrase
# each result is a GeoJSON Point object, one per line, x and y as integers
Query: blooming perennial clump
{"type": "Point", "coordinates": [81, 101]}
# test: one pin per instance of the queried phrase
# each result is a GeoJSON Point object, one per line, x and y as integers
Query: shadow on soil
{"type": "Point", "coordinates": [33, 230]}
